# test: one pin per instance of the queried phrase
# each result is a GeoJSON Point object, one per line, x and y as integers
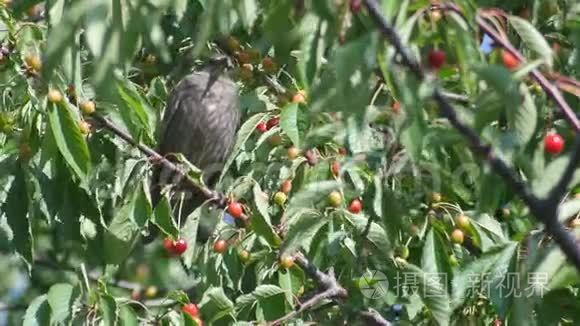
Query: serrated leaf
{"type": "Point", "coordinates": [128, 316]}
{"type": "Point", "coordinates": [500, 80]}
{"type": "Point", "coordinates": [60, 299]}
{"type": "Point", "coordinates": [289, 122]}
{"type": "Point", "coordinates": [248, 12]}
{"type": "Point", "coordinates": [309, 195]}
{"type": "Point", "coordinates": [135, 111]}
{"type": "Point", "coordinates": [312, 53]}
{"type": "Point", "coordinates": [495, 261]}
{"type": "Point", "coordinates": [431, 292]}
{"type": "Point", "coordinates": [532, 38]}
{"type": "Point", "coordinates": [551, 175]}
{"type": "Point", "coordinates": [189, 233]}
{"type": "Point", "coordinates": [215, 304]}
{"type": "Point", "coordinates": [244, 133]}
{"type": "Point", "coordinates": [376, 235]}
{"type": "Point", "coordinates": [16, 210]}
{"type": "Point", "coordinates": [435, 259]}
{"type": "Point", "coordinates": [69, 140]}
{"type": "Point", "coordinates": [163, 218]}
{"type": "Point", "coordinates": [38, 312]}
{"type": "Point", "coordinates": [109, 310]}
{"type": "Point", "coordinates": [265, 291]}
{"type": "Point", "coordinates": [302, 228]}
{"type": "Point", "coordinates": [261, 221]}
{"type": "Point", "coordinates": [523, 119]}
{"type": "Point", "coordinates": [568, 209]}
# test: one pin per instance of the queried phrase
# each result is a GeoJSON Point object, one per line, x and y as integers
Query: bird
{"type": "Point", "coordinates": [200, 122]}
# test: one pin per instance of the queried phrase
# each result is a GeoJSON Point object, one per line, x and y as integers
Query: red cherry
{"type": "Point", "coordinates": [286, 186]}
{"type": "Point", "coordinates": [220, 246]}
{"type": "Point", "coordinates": [190, 309]}
{"type": "Point", "coordinates": [311, 157]}
{"type": "Point", "coordinates": [355, 206]}
{"type": "Point", "coordinates": [335, 168]}
{"type": "Point", "coordinates": [355, 5]}
{"type": "Point", "coordinates": [436, 59]}
{"type": "Point", "coordinates": [509, 60]}
{"type": "Point", "coordinates": [396, 107]}
{"type": "Point", "coordinates": [553, 143]}
{"type": "Point", "coordinates": [262, 127]}
{"type": "Point", "coordinates": [273, 123]}
{"type": "Point", "coordinates": [168, 245]}
{"type": "Point", "coordinates": [235, 209]}
{"type": "Point", "coordinates": [180, 246]}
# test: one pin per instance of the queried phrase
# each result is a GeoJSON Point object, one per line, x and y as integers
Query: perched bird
{"type": "Point", "coordinates": [200, 122]}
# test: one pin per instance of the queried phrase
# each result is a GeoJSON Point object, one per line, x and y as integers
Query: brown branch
{"type": "Point", "coordinates": [329, 288]}
{"type": "Point", "coordinates": [215, 197]}
{"type": "Point", "coordinates": [372, 317]}
{"type": "Point", "coordinates": [540, 208]}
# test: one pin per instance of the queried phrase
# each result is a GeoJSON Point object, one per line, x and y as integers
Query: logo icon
{"type": "Point", "coordinates": [373, 285]}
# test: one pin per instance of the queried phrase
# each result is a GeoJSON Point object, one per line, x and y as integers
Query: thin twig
{"type": "Point", "coordinates": [372, 317]}
{"type": "Point", "coordinates": [329, 288]}
{"type": "Point", "coordinates": [215, 197]}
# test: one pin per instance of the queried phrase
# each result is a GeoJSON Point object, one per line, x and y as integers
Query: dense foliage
{"type": "Point", "coordinates": [346, 175]}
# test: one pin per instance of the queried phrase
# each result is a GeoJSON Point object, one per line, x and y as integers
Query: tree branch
{"type": "Point", "coordinates": [215, 197]}
{"type": "Point", "coordinates": [329, 288]}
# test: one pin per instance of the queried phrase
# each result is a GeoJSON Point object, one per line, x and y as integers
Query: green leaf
{"type": "Point", "coordinates": [163, 218]}
{"type": "Point", "coordinates": [248, 12]}
{"type": "Point", "coordinates": [246, 130]}
{"type": "Point", "coordinates": [38, 312]}
{"type": "Point", "coordinates": [69, 140]}
{"type": "Point", "coordinates": [500, 80]}
{"type": "Point", "coordinates": [309, 195]}
{"type": "Point", "coordinates": [523, 119]}
{"type": "Point", "coordinates": [532, 38]}
{"type": "Point", "coordinates": [272, 307]}
{"type": "Point", "coordinates": [289, 122]}
{"type": "Point", "coordinates": [267, 290]}
{"type": "Point", "coordinates": [432, 292]}
{"type": "Point", "coordinates": [261, 221]}
{"type": "Point", "coordinates": [354, 55]}
{"type": "Point", "coordinates": [312, 54]}
{"type": "Point", "coordinates": [377, 235]}
{"type": "Point", "coordinates": [136, 113]}
{"type": "Point", "coordinates": [124, 227]}
{"type": "Point", "coordinates": [551, 175]}
{"type": "Point", "coordinates": [61, 299]}
{"type": "Point", "coordinates": [301, 230]}
{"type": "Point", "coordinates": [215, 304]}
{"type": "Point", "coordinates": [128, 316]}
{"type": "Point", "coordinates": [109, 309]}
{"type": "Point", "coordinates": [61, 36]}
{"type": "Point", "coordinates": [494, 262]}
{"type": "Point", "coordinates": [568, 209]}
{"type": "Point", "coordinates": [435, 259]}
{"type": "Point", "coordinates": [96, 27]}
{"type": "Point", "coordinates": [16, 209]}
{"type": "Point", "coordinates": [189, 233]}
